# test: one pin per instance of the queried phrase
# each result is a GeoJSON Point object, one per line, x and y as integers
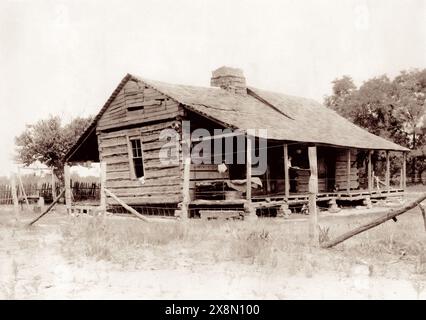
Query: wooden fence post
{"type": "Point", "coordinates": [21, 185]}
{"type": "Point", "coordinates": [67, 178]}
{"type": "Point", "coordinates": [313, 190]}
{"type": "Point", "coordinates": [103, 202]}
{"type": "Point", "coordinates": [14, 195]}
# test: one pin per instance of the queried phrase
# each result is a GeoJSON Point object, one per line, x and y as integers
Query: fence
{"type": "Point", "coordinates": [81, 191]}
{"type": "Point", "coordinates": [6, 194]}
{"type": "Point", "coordinates": [85, 191]}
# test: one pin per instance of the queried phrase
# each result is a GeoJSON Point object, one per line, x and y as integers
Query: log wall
{"type": "Point", "coordinates": [342, 169]}
{"type": "Point", "coordinates": [149, 112]}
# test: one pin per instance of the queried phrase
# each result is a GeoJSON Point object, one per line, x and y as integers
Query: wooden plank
{"type": "Point", "coordinates": [118, 175]}
{"type": "Point", "coordinates": [313, 191]}
{"type": "Point", "coordinates": [286, 173]}
{"type": "Point", "coordinates": [404, 170]}
{"type": "Point", "coordinates": [112, 142]}
{"type": "Point", "coordinates": [369, 172]}
{"type": "Point", "coordinates": [158, 199]}
{"type": "Point", "coordinates": [163, 190]}
{"type": "Point", "coordinates": [158, 126]}
{"type": "Point", "coordinates": [21, 185]}
{"type": "Point", "coordinates": [14, 195]}
{"type": "Point", "coordinates": [208, 175]}
{"type": "Point", "coordinates": [116, 159]}
{"type": "Point", "coordinates": [160, 117]}
{"type": "Point", "coordinates": [48, 208]}
{"type": "Point", "coordinates": [185, 187]}
{"type": "Point", "coordinates": [103, 167]}
{"type": "Point", "coordinates": [67, 183]}
{"type": "Point", "coordinates": [114, 151]}
{"type": "Point", "coordinates": [204, 167]}
{"type": "Point", "coordinates": [162, 181]}
{"type": "Point", "coordinates": [348, 174]}
{"type": "Point", "coordinates": [125, 206]}
{"type": "Point", "coordinates": [387, 175]}
{"type": "Point", "coordinates": [52, 181]}
{"type": "Point", "coordinates": [248, 167]}
{"type": "Point", "coordinates": [221, 214]}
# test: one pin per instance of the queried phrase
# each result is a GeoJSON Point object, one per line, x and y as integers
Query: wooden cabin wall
{"type": "Point", "coordinates": [137, 103]}
{"type": "Point", "coordinates": [342, 170]}
{"type": "Point", "coordinates": [150, 112]}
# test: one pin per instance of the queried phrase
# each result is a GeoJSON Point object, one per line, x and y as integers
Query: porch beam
{"type": "Point", "coordinates": [286, 173]}
{"type": "Point", "coordinates": [313, 191]}
{"type": "Point", "coordinates": [348, 181]}
{"type": "Point", "coordinates": [387, 177]}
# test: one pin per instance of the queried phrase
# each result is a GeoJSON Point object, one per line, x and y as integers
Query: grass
{"type": "Point", "coordinates": [267, 246]}
{"type": "Point", "coordinates": [267, 243]}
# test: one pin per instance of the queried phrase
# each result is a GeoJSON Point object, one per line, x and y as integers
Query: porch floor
{"type": "Point", "coordinates": [340, 195]}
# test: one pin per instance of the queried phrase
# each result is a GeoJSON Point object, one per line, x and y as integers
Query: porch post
{"type": "Point", "coordinates": [387, 177]}
{"type": "Point", "coordinates": [348, 181]}
{"type": "Point", "coordinates": [313, 190]}
{"type": "Point", "coordinates": [250, 210]}
{"type": "Point", "coordinates": [186, 155]}
{"type": "Point", "coordinates": [67, 183]}
{"type": "Point", "coordinates": [286, 174]}
{"type": "Point", "coordinates": [103, 185]}
{"type": "Point", "coordinates": [369, 171]}
{"type": "Point", "coordinates": [248, 169]}
{"type": "Point", "coordinates": [404, 170]}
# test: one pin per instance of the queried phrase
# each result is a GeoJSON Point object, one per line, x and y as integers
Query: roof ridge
{"type": "Point", "coordinates": [266, 102]}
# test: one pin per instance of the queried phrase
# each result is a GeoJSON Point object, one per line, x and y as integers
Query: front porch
{"type": "Point", "coordinates": [297, 175]}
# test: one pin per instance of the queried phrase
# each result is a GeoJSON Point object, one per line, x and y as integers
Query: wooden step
{"type": "Point", "coordinates": [221, 214]}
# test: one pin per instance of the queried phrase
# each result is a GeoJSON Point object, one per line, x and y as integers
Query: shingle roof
{"type": "Point", "coordinates": [285, 117]}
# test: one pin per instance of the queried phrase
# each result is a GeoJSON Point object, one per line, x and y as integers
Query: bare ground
{"type": "Point", "coordinates": [64, 257]}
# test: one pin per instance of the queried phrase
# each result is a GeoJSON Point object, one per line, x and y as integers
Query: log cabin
{"type": "Point", "coordinates": [309, 149]}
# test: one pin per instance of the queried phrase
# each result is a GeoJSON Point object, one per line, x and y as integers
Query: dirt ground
{"type": "Point", "coordinates": [63, 257]}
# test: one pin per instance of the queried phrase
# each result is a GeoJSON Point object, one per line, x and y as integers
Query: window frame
{"type": "Point", "coordinates": [130, 138]}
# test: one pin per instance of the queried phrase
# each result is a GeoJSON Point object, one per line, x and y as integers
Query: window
{"type": "Point", "coordinates": [137, 157]}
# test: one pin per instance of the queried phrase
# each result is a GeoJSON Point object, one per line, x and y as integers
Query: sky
{"type": "Point", "coordinates": [66, 57]}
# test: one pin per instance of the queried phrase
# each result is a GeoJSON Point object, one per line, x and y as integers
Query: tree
{"type": "Point", "coordinates": [393, 109]}
{"type": "Point", "coordinates": [48, 141]}
{"type": "Point", "coordinates": [342, 90]}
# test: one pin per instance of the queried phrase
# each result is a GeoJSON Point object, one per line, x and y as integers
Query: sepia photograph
{"type": "Point", "coordinates": [212, 150]}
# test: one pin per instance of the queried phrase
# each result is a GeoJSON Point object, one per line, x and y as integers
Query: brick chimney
{"type": "Point", "coordinates": [230, 79]}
